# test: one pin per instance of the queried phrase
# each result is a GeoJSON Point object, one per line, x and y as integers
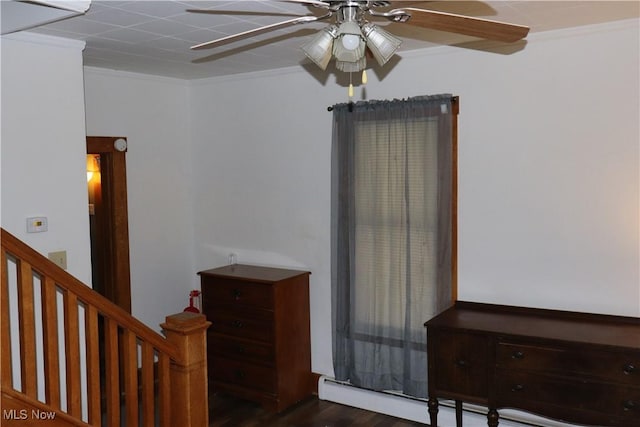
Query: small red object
{"type": "Point", "coordinates": [194, 302]}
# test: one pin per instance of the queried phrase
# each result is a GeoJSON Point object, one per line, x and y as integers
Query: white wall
{"type": "Point", "coordinates": [153, 114]}
{"type": "Point", "coordinates": [43, 157]}
{"type": "Point", "coordinates": [549, 183]}
{"type": "Point", "coordinates": [548, 159]}
{"type": "Point", "coordinates": [43, 145]}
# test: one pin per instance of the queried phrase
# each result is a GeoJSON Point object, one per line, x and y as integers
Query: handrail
{"type": "Point", "coordinates": [65, 280]}
{"type": "Point", "coordinates": [113, 367]}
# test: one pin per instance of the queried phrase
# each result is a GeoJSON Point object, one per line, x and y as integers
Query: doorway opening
{"type": "Point", "coordinates": [108, 218]}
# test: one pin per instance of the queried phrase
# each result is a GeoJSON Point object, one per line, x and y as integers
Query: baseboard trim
{"type": "Point", "coordinates": [414, 409]}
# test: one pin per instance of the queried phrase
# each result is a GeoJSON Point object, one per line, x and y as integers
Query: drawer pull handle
{"type": "Point", "coordinates": [517, 355]}
{"type": "Point", "coordinates": [629, 369]}
{"type": "Point", "coordinates": [517, 387]}
{"type": "Point", "coordinates": [462, 363]}
{"type": "Point", "coordinates": [237, 293]}
{"type": "Point", "coordinates": [240, 375]}
{"type": "Point", "coordinates": [240, 349]}
{"type": "Point", "coordinates": [236, 324]}
{"type": "Point", "coordinates": [629, 405]}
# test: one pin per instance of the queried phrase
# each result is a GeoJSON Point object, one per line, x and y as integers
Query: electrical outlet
{"type": "Point", "coordinates": [59, 258]}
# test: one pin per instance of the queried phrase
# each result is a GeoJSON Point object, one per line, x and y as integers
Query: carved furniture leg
{"type": "Point", "coordinates": [458, 413]}
{"type": "Point", "coordinates": [492, 418]}
{"type": "Point", "coordinates": [433, 411]}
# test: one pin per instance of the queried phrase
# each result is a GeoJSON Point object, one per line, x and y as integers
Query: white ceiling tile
{"type": "Point", "coordinates": [169, 43]}
{"type": "Point", "coordinates": [154, 36]}
{"type": "Point", "coordinates": [159, 9]}
{"type": "Point", "coordinates": [128, 35]}
{"type": "Point", "coordinates": [121, 18]}
{"type": "Point", "coordinates": [164, 27]}
{"type": "Point", "coordinates": [82, 26]}
{"type": "Point", "coordinates": [203, 20]}
{"type": "Point", "coordinates": [198, 36]}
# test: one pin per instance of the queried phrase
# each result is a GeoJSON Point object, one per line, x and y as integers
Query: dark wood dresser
{"type": "Point", "coordinates": [258, 345]}
{"type": "Point", "coordinates": [574, 367]}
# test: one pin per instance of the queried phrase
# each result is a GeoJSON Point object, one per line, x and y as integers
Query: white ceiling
{"type": "Point", "coordinates": [153, 37]}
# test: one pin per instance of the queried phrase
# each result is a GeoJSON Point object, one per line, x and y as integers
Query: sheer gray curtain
{"type": "Point", "coordinates": [391, 237]}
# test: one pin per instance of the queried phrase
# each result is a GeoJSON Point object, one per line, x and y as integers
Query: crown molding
{"type": "Point", "coordinates": [45, 40]}
{"type": "Point", "coordinates": [132, 75]}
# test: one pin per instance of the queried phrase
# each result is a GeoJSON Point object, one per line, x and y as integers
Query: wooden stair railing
{"type": "Point", "coordinates": [65, 347]}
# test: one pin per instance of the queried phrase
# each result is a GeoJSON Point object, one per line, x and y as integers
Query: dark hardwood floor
{"type": "Point", "coordinates": [226, 411]}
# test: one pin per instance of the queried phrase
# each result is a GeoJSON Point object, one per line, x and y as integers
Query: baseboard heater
{"type": "Point", "coordinates": [407, 407]}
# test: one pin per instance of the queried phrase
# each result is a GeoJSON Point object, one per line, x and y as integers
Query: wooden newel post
{"type": "Point", "coordinates": [189, 390]}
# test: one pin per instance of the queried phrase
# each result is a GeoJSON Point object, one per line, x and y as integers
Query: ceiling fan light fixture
{"type": "Point", "coordinates": [346, 55]}
{"type": "Point", "coordinates": [352, 66]}
{"type": "Point", "coordinates": [381, 43]}
{"type": "Point", "coordinates": [320, 48]}
{"type": "Point", "coordinates": [352, 45]}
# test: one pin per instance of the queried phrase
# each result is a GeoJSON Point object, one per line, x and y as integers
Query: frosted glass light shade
{"type": "Point", "coordinates": [320, 48]}
{"type": "Point", "coordinates": [351, 47]}
{"type": "Point", "coordinates": [381, 43]}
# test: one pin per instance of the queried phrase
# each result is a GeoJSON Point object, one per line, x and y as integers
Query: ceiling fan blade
{"type": "Point", "coordinates": [317, 3]}
{"type": "Point", "coordinates": [460, 24]}
{"type": "Point", "coordinates": [259, 30]}
{"type": "Point", "coordinates": [239, 12]}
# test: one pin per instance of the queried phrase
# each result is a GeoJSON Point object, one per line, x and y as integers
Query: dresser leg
{"type": "Point", "coordinates": [458, 413]}
{"type": "Point", "coordinates": [492, 418]}
{"type": "Point", "coordinates": [433, 411]}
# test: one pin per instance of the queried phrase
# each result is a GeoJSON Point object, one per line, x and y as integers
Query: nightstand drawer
{"type": "Point", "coordinates": [225, 346]}
{"type": "Point", "coordinates": [256, 325]}
{"type": "Point", "coordinates": [218, 291]}
{"type": "Point", "coordinates": [620, 367]}
{"type": "Point", "coordinates": [243, 374]}
{"type": "Point", "coordinates": [547, 393]}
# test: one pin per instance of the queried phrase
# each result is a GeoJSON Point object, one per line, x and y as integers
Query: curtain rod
{"type": "Point", "coordinates": [351, 103]}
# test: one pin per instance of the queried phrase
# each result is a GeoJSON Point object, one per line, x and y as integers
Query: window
{"type": "Point", "coordinates": [393, 233]}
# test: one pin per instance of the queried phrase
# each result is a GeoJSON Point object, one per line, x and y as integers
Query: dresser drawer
{"type": "Point", "coordinates": [216, 291]}
{"type": "Point", "coordinates": [255, 325]}
{"type": "Point", "coordinates": [541, 393]}
{"type": "Point", "coordinates": [618, 366]}
{"type": "Point", "coordinates": [243, 374]}
{"type": "Point", "coordinates": [225, 346]}
{"type": "Point", "coordinates": [462, 362]}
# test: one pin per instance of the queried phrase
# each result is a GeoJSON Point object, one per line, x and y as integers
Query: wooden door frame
{"type": "Point", "coordinates": [116, 229]}
{"type": "Point", "coordinates": [455, 107]}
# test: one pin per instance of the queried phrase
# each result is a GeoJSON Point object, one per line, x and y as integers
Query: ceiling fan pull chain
{"type": "Point", "coordinates": [350, 87]}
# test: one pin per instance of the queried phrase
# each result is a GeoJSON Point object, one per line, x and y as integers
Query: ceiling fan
{"type": "Point", "coordinates": [351, 34]}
